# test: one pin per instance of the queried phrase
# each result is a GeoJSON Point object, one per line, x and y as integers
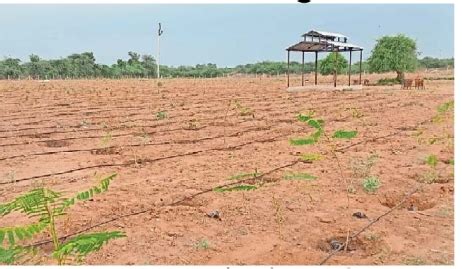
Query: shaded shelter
{"type": "Point", "coordinates": [320, 41]}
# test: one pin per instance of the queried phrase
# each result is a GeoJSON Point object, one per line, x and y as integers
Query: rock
{"type": "Point", "coordinates": [215, 214]}
{"type": "Point", "coordinates": [359, 215]}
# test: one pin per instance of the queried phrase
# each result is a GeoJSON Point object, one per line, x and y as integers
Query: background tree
{"type": "Point", "coordinates": [328, 65]}
{"type": "Point", "coordinates": [394, 53]}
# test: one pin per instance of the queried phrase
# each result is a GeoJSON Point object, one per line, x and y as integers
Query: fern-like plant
{"type": "Point", "coordinates": [45, 206]}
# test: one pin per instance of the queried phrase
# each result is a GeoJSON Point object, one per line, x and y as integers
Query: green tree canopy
{"type": "Point", "coordinates": [333, 61]}
{"type": "Point", "coordinates": [394, 53]}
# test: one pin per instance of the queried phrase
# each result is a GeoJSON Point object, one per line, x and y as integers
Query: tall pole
{"type": "Point", "coordinates": [316, 69]}
{"type": "Point", "coordinates": [335, 71]}
{"type": "Point", "coordinates": [159, 33]}
{"type": "Point", "coordinates": [303, 68]}
{"type": "Point", "coordinates": [360, 65]}
{"type": "Point", "coordinates": [288, 68]}
{"type": "Point", "coordinates": [349, 71]}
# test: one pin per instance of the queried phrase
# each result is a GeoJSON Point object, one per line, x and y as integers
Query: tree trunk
{"type": "Point", "coordinates": [400, 75]}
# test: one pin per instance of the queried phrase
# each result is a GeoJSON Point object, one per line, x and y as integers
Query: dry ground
{"type": "Point", "coordinates": [67, 134]}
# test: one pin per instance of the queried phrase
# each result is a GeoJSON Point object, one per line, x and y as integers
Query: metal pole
{"type": "Point", "coordinates": [316, 69]}
{"type": "Point", "coordinates": [288, 70]}
{"type": "Point", "coordinates": [159, 33]}
{"type": "Point", "coordinates": [158, 56]}
{"type": "Point", "coordinates": [360, 65]}
{"type": "Point", "coordinates": [303, 68]}
{"type": "Point", "coordinates": [349, 71]}
{"type": "Point", "coordinates": [335, 70]}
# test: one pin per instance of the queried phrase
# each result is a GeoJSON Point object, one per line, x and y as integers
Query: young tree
{"type": "Point", "coordinates": [394, 53]}
{"type": "Point", "coordinates": [334, 59]}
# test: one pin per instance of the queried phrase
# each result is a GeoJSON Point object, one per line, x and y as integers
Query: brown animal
{"type": "Point", "coordinates": [419, 83]}
{"type": "Point", "coordinates": [407, 83]}
{"type": "Point", "coordinates": [355, 81]}
{"type": "Point", "coordinates": [366, 82]}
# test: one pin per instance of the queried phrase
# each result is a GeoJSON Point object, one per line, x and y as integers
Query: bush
{"type": "Point", "coordinates": [388, 81]}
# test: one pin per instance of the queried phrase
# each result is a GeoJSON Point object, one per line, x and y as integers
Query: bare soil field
{"type": "Point", "coordinates": [172, 145]}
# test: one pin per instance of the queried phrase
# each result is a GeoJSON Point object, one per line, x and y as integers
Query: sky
{"type": "Point", "coordinates": [227, 35]}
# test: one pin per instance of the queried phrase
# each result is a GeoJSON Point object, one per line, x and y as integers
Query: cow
{"type": "Point", "coordinates": [407, 83]}
{"type": "Point", "coordinates": [419, 83]}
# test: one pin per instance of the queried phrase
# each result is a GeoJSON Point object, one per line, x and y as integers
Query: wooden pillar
{"type": "Point", "coordinates": [303, 68]}
{"type": "Point", "coordinates": [360, 65]}
{"type": "Point", "coordinates": [288, 70]}
{"type": "Point", "coordinates": [349, 71]}
{"type": "Point", "coordinates": [316, 68]}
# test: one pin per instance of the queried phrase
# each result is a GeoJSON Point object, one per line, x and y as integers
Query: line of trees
{"type": "Point", "coordinates": [84, 65]}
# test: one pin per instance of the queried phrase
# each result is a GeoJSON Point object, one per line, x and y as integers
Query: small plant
{"type": "Point", "coordinates": [278, 214]}
{"type": "Point", "coordinates": [245, 175]}
{"type": "Point", "coordinates": [317, 124]}
{"type": "Point", "coordinates": [448, 106]}
{"type": "Point", "coordinates": [235, 188]}
{"type": "Point", "coordinates": [310, 157]}
{"type": "Point", "coordinates": [243, 110]}
{"type": "Point", "coordinates": [356, 113]}
{"type": "Point", "coordinates": [362, 167]}
{"type": "Point", "coordinates": [429, 177]}
{"type": "Point", "coordinates": [106, 140]}
{"type": "Point", "coordinates": [431, 160]}
{"type": "Point", "coordinates": [202, 244]}
{"type": "Point", "coordinates": [46, 206]}
{"type": "Point", "coordinates": [11, 176]}
{"type": "Point", "coordinates": [442, 110]}
{"type": "Point", "coordinates": [161, 115]}
{"type": "Point", "coordinates": [193, 125]}
{"type": "Point", "coordinates": [414, 261]}
{"type": "Point", "coordinates": [299, 176]}
{"type": "Point", "coordinates": [371, 184]}
{"type": "Point", "coordinates": [85, 123]}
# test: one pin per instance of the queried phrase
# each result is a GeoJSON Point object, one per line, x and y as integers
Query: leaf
{"type": "Point", "coordinates": [302, 141]}
{"type": "Point", "coordinates": [82, 245]}
{"type": "Point", "coordinates": [304, 118]}
{"type": "Point", "coordinates": [12, 255]}
{"type": "Point", "coordinates": [31, 203]}
{"type": "Point", "coordinates": [302, 176]}
{"type": "Point", "coordinates": [315, 124]}
{"type": "Point", "coordinates": [21, 232]}
{"type": "Point", "coordinates": [235, 188]}
{"type": "Point", "coordinates": [345, 134]}
{"type": "Point", "coordinates": [85, 195]}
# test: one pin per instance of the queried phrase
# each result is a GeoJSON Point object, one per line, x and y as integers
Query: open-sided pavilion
{"type": "Point", "coordinates": [320, 41]}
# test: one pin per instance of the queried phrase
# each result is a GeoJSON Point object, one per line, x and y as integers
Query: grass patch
{"type": "Point", "coordinates": [299, 176]}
